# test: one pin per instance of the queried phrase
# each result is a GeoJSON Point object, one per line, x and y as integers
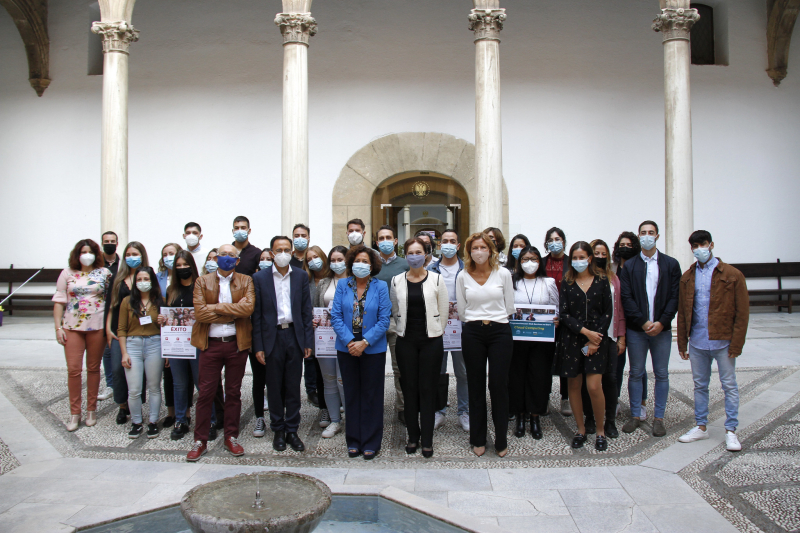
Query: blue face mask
{"type": "Point", "coordinates": [339, 267]}
{"type": "Point", "coordinates": [581, 265]}
{"type": "Point", "coordinates": [361, 270]}
{"type": "Point", "coordinates": [300, 244]}
{"type": "Point", "coordinates": [240, 235]}
{"type": "Point", "coordinates": [648, 242]}
{"type": "Point", "coordinates": [515, 252]}
{"type": "Point", "coordinates": [133, 261]}
{"type": "Point", "coordinates": [555, 247]}
{"type": "Point", "coordinates": [386, 247]}
{"type": "Point", "coordinates": [415, 260]}
{"type": "Point", "coordinates": [315, 264]}
{"type": "Point", "coordinates": [226, 263]}
{"type": "Point", "coordinates": [449, 250]}
{"type": "Point", "coordinates": [263, 265]}
{"type": "Point", "coordinates": [702, 254]}
{"type": "Point", "coordinates": [169, 261]}
{"type": "Point", "coordinates": [211, 266]}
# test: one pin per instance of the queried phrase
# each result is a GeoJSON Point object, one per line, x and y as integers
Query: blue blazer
{"type": "Point", "coordinates": [377, 310]}
{"type": "Point", "coordinates": [265, 312]}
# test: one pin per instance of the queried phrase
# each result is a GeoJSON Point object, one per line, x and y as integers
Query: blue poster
{"type": "Point", "coordinates": [534, 324]}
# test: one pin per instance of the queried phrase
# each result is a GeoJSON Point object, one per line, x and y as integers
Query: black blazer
{"type": "Point", "coordinates": [265, 313]}
{"type": "Point", "coordinates": [633, 287]}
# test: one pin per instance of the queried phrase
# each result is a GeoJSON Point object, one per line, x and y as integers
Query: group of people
{"type": "Point", "coordinates": [610, 305]}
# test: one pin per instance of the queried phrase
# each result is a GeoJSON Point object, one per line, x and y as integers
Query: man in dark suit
{"type": "Point", "coordinates": [650, 284]}
{"type": "Point", "coordinates": [283, 336]}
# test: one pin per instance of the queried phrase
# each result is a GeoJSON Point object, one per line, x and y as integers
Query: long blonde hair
{"type": "Point", "coordinates": [123, 271]}
{"type": "Point", "coordinates": [161, 266]}
{"type": "Point", "coordinates": [469, 263]}
{"type": "Point", "coordinates": [608, 271]}
{"type": "Point", "coordinates": [325, 270]}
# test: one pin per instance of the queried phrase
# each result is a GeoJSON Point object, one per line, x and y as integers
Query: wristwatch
{"type": "Point", "coordinates": [365, 341]}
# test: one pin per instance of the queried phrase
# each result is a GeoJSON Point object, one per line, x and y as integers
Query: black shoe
{"type": "Point", "coordinates": [314, 399]}
{"type": "Point", "coordinates": [353, 453]}
{"type": "Point", "coordinates": [590, 425]}
{"type": "Point", "coordinates": [611, 430]}
{"type": "Point", "coordinates": [370, 455]}
{"type": "Point", "coordinates": [510, 417]}
{"type": "Point", "coordinates": [295, 442]}
{"type": "Point", "coordinates": [411, 448]}
{"type": "Point", "coordinates": [152, 431]}
{"type": "Point", "coordinates": [168, 422]}
{"type": "Point", "coordinates": [212, 433]}
{"type": "Point", "coordinates": [279, 441]}
{"type": "Point", "coordinates": [401, 416]}
{"type": "Point", "coordinates": [601, 443]}
{"type": "Point", "coordinates": [179, 431]}
{"type": "Point", "coordinates": [536, 428]}
{"type": "Point", "coordinates": [136, 430]}
{"type": "Point", "coordinates": [520, 431]}
{"type": "Point", "coordinates": [427, 454]}
{"type": "Point", "coordinates": [578, 440]}
{"type": "Point", "coordinates": [122, 416]}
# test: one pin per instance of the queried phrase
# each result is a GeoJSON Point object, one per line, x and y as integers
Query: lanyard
{"type": "Point", "coordinates": [530, 296]}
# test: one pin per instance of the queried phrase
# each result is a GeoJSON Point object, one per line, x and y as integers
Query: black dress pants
{"type": "Point", "coordinates": [259, 382]}
{"type": "Point", "coordinates": [320, 384]}
{"type": "Point", "coordinates": [480, 343]}
{"type": "Point", "coordinates": [420, 361]}
{"type": "Point", "coordinates": [284, 371]}
{"type": "Point", "coordinates": [609, 383]}
{"type": "Point", "coordinates": [530, 379]}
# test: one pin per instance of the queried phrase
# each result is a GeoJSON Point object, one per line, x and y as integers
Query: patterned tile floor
{"type": "Point", "coordinates": [7, 460]}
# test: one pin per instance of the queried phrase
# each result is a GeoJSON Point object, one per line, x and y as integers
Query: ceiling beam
{"type": "Point", "coordinates": [780, 25]}
{"type": "Point", "coordinates": [30, 16]}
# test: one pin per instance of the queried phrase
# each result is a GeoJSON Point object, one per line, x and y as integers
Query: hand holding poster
{"type": "Point", "coordinates": [452, 332]}
{"type": "Point", "coordinates": [324, 336]}
{"type": "Point", "coordinates": [534, 323]}
{"type": "Point", "coordinates": [176, 333]}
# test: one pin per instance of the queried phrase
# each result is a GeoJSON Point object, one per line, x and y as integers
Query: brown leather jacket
{"type": "Point", "coordinates": [728, 311]}
{"type": "Point", "coordinates": [207, 311]}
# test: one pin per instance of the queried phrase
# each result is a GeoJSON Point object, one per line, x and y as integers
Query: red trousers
{"type": "Point", "coordinates": [92, 343]}
{"type": "Point", "coordinates": [218, 356]}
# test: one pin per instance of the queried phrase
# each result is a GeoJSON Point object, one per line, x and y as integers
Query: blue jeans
{"type": "Point", "coordinates": [146, 361]}
{"type": "Point", "coordinates": [621, 375]}
{"type": "Point", "coordinates": [462, 389]}
{"type": "Point", "coordinates": [659, 346]}
{"type": "Point", "coordinates": [107, 370]}
{"type": "Point", "coordinates": [701, 373]}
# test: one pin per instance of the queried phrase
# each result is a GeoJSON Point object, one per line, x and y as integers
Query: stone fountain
{"type": "Point", "coordinates": [264, 502]}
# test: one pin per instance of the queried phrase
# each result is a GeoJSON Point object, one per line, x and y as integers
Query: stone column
{"type": "Point", "coordinates": [406, 223]}
{"type": "Point", "coordinates": [486, 21]}
{"type": "Point", "coordinates": [117, 32]}
{"type": "Point", "coordinates": [675, 22]}
{"type": "Point", "coordinates": [296, 25]}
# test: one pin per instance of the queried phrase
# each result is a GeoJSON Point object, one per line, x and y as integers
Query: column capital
{"type": "Point", "coordinates": [676, 23]}
{"type": "Point", "coordinates": [296, 27]}
{"type": "Point", "coordinates": [117, 36]}
{"type": "Point", "coordinates": [487, 23]}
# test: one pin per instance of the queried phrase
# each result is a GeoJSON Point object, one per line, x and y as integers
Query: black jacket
{"type": "Point", "coordinates": [634, 291]}
{"type": "Point", "coordinates": [265, 312]}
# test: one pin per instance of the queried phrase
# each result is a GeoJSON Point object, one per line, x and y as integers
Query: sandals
{"type": "Point", "coordinates": [353, 453]}
{"type": "Point", "coordinates": [411, 448]}
{"type": "Point", "coordinates": [427, 454]}
{"type": "Point", "coordinates": [369, 455]}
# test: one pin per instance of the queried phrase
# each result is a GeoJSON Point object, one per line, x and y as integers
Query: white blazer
{"type": "Point", "coordinates": [437, 303]}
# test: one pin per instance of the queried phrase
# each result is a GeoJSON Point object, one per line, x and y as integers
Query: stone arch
{"type": "Point", "coordinates": [395, 154]}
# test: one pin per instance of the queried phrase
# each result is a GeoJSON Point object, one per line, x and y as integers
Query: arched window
{"type": "Point", "coordinates": [703, 43]}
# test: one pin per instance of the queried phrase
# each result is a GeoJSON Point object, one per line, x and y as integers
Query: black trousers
{"type": "Point", "coordinates": [169, 388]}
{"type": "Point", "coordinates": [420, 361]}
{"type": "Point", "coordinates": [259, 382]}
{"type": "Point", "coordinates": [320, 384]}
{"type": "Point", "coordinates": [310, 375]}
{"type": "Point", "coordinates": [284, 371]}
{"type": "Point", "coordinates": [530, 379]}
{"type": "Point", "coordinates": [609, 383]}
{"type": "Point", "coordinates": [493, 343]}
{"type": "Point", "coordinates": [363, 380]}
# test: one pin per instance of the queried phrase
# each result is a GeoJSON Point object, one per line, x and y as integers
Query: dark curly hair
{"type": "Point", "coordinates": [637, 247]}
{"type": "Point", "coordinates": [374, 259]}
{"type": "Point", "coordinates": [75, 255]}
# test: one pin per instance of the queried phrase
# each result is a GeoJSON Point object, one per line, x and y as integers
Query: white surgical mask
{"type": "Point", "coordinates": [480, 256]}
{"type": "Point", "coordinates": [315, 264]}
{"type": "Point", "coordinates": [263, 265]}
{"type": "Point", "coordinates": [580, 265]}
{"type": "Point", "coordinates": [144, 286]}
{"type": "Point", "coordinates": [648, 242]}
{"type": "Point", "coordinates": [530, 267]}
{"type": "Point", "coordinates": [702, 254]}
{"type": "Point", "coordinates": [211, 266]}
{"type": "Point", "coordinates": [87, 259]}
{"type": "Point", "coordinates": [355, 237]}
{"type": "Point", "coordinates": [282, 259]}
{"type": "Point", "coordinates": [339, 267]}
{"type": "Point", "coordinates": [192, 240]}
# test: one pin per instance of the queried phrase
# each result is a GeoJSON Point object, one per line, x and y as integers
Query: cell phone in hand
{"type": "Point", "coordinates": [585, 350]}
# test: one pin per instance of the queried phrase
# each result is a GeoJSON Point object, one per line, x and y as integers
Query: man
{"type": "Point", "coordinates": [392, 265]}
{"type": "Point", "coordinates": [283, 336]}
{"type": "Point", "coordinates": [426, 238]}
{"type": "Point", "coordinates": [300, 238]}
{"type": "Point", "coordinates": [193, 234]}
{"type": "Point", "coordinates": [223, 303]}
{"type": "Point", "coordinates": [713, 314]}
{"type": "Point", "coordinates": [356, 231]}
{"type": "Point", "coordinates": [249, 255]}
{"type": "Point", "coordinates": [449, 267]}
{"type": "Point", "coordinates": [649, 284]}
{"type": "Point", "coordinates": [110, 242]}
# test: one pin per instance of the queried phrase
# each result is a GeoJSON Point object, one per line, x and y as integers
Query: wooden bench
{"type": "Point", "coordinates": [29, 300]}
{"type": "Point", "coordinates": [777, 270]}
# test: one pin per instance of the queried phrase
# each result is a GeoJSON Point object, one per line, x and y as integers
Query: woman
{"type": "Point", "coordinates": [165, 266]}
{"type": "Point", "coordinates": [530, 379]}
{"type": "Point", "coordinates": [79, 305]}
{"type": "Point", "coordinates": [140, 342]}
{"type": "Point", "coordinates": [316, 266]}
{"type": "Point", "coordinates": [260, 403]}
{"type": "Point", "coordinates": [555, 264]}
{"type": "Point", "coordinates": [360, 316]}
{"type": "Point", "coordinates": [517, 244]}
{"type": "Point", "coordinates": [329, 366]}
{"type": "Point", "coordinates": [420, 304]}
{"type": "Point", "coordinates": [626, 247]}
{"type": "Point", "coordinates": [184, 371]}
{"type": "Point", "coordinates": [211, 263]}
{"type": "Point", "coordinates": [499, 242]}
{"type": "Point", "coordinates": [585, 310]}
{"type": "Point", "coordinates": [120, 287]}
{"type": "Point", "coordinates": [485, 296]}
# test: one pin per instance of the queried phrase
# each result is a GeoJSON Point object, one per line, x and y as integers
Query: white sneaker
{"type": "Point", "coordinates": [331, 430]}
{"type": "Point", "coordinates": [732, 442]}
{"type": "Point", "coordinates": [341, 409]}
{"type": "Point", "coordinates": [438, 421]}
{"type": "Point", "coordinates": [464, 419]}
{"type": "Point", "coordinates": [106, 394]}
{"type": "Point", "coordinates": [261, 427]}
{"type": "Point", "coordinates": [694, 434]}
{"type": "Point", "coordinates": [324, 418]}
{"type": "Point", "coordinates": [566, 410]}
{"type": "Point", "coordinates": [266, 403]}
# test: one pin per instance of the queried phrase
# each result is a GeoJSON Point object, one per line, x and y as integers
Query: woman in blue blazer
{"type": "Point", "coordinates": [360, 317]}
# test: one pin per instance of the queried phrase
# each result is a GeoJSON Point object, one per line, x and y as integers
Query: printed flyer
{"type": "Point", "coordinates": [176, 333]}
{"type": "Point", "coordinates": [324, 336]}
{"type": "Point", "coordinates": [534, 323]}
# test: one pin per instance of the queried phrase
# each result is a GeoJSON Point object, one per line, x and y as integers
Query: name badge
{"type": "Point", "coordinates": [145, 320]}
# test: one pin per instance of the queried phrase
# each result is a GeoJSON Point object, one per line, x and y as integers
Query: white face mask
{"type": "Point", "coordinates": [355, 237]}
{"type": "Point", "coordinates": [480, 256]}
{"type": "Point", "coordinates": [282, 259]}
{"type": "Point", "coordinates": [192, 240]}
{"type": "Point", "coordinates": [87, 259]}
{"type": "Point", "coordinates": [530, 267]}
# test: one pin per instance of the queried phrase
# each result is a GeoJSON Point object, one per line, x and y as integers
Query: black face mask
{"type": "Point", "coordinates": [184, 273]}
{"type": "Point", "coordinates": [626, 253]}
{"type": "Point", "coordinates": [601, 262]}
{"type": "Point", "coordinates": [109, 248]}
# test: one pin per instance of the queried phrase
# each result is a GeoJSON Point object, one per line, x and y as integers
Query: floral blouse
{"type": "Point", "coordinates": [358, 303]}
{"type": "Point", "coordinates": [84, 297]}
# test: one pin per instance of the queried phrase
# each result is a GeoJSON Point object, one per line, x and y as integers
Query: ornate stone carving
{"type": "Point", "coordinates": [780, 26]}
{"type": "Point", "coordinates": [296, 27]}
{"type": "Point", "coordinates": [117, 36]}
{"type": "Point", "coordinates": [487, 23]}
{"type": "Point", "coordinates": [30, 16]}
{"type": "Point", "coordinates": [676, 23]}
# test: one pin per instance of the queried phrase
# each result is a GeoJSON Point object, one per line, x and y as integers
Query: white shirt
{"type": "Point", "coordinates": [283, 295]}
{"type": "Point", "coordinates": [541, 291]}
{"type": "Point", "coordinates": [229, 329]}
{"type": "Point", "coordinates": [651, 281]}
{"type": "Point", "coordinates": [327, 298]}
{"type": "Point", "coordinates": [199, 257]}
{"type": "Point", "coordinates": [494, 300]}
{"type": "Point", "coordinates": [449, 277]}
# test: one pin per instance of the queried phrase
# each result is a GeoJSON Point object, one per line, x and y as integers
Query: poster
{"type": "Point", "coordinates": [324, 336]}
{"type": "Point", "coordinates": [176, 333]}
{"type": "Point", "coordinates": [534, 323]}
{"type": "Point", "coordinates": [452, 332]}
